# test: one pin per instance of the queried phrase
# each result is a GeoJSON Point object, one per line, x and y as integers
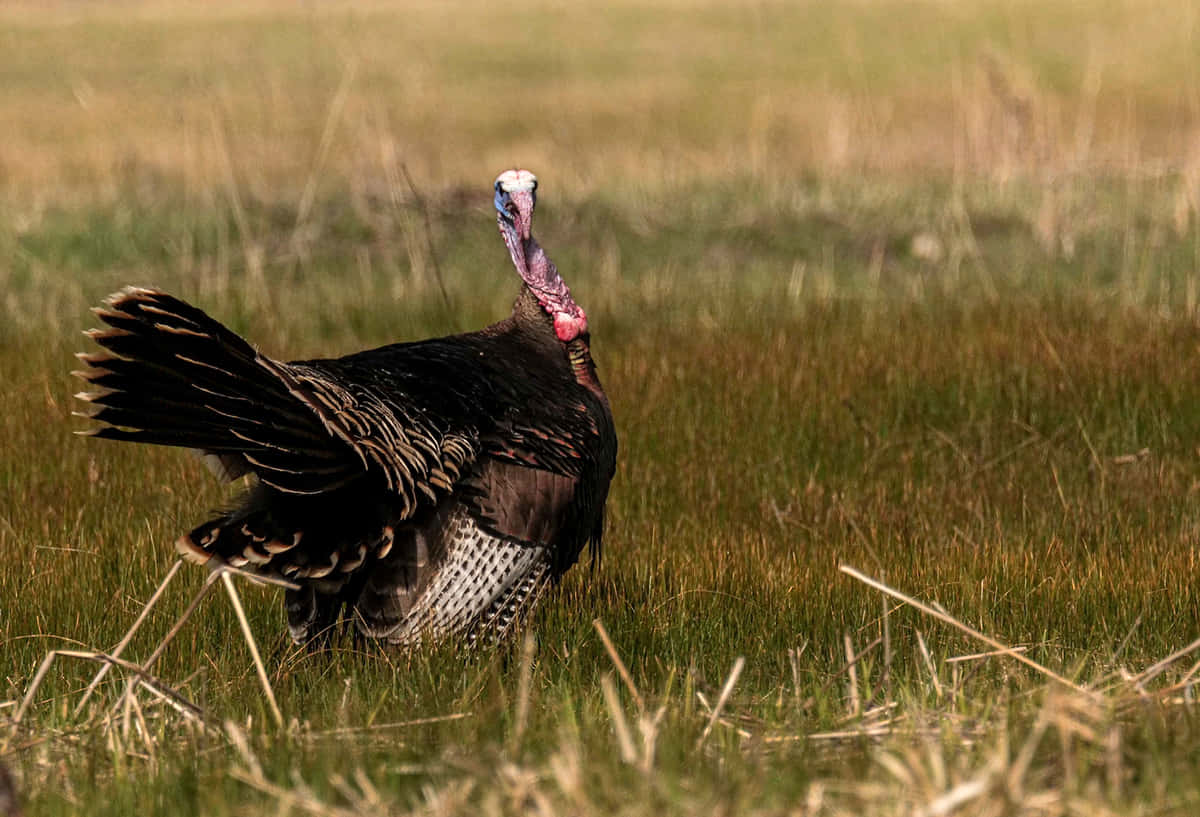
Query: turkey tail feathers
{"type": "Point", "coordinates": [171, 375]}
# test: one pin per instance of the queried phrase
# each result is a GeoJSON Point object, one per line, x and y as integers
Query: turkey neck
{"type": "Point", "coordinates": [529, 313]}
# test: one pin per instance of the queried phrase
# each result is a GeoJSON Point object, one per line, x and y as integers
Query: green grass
{"type": "Point", "coordinates": [970, 378]}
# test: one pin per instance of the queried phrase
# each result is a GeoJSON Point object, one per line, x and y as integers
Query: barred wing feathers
{"type": "Point", "coordinates": [174, 376]}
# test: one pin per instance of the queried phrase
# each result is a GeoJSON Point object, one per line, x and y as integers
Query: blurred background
{"type": "Point", "coordinates": [748, 149]}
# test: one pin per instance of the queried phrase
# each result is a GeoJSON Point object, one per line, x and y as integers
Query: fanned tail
{"type": "Point", "coordinates": [171, 375]}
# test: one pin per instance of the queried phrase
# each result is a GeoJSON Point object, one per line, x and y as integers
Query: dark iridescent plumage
{"type": "Point", "coordinates": [429, 486]}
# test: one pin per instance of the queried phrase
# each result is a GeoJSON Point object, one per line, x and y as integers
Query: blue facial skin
{"type": "Point", "coordinates": [502, 201]}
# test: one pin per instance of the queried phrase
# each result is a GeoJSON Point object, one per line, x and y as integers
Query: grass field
{"type": "Point", "coordinates": [911, 287]}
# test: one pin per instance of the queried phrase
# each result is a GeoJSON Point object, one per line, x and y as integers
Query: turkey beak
{"type": "Point", "coordinates": [523, 199]}
{"type": "Point", "coordinates": [512, 240]}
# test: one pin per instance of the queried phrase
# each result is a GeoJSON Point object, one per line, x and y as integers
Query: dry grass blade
{"type": "Point", "coordinates": [182, 620]}
{"type": "Point", "coordinates": [126, 704]}
{"type": "Point", "coordinates": [178, 626]}
{"type": "Point", "coordinates": [971, 631]}
{"type": "Point", "coordinates": [236, 600]}
{"type": "Point", "coordinates": [524, 683]}
{"type": "Point", "coordinates": [172, 702]}
{"type": "Point", "coordinates": [378, 727]}
{"type": "Point", "coordinates": [928, 659]}
{"type": "Point", "coordinates": [258, 578]}
{"type": "Point", "coordinates": [624, 736]}
{"type": "Point", "coordinates": [886, 681]}
{"type": "Point", "coordinates": [852, 678]}
{"type": "Point", "coordinates": [238, 738]}
{"type": "Point", "coordinates": [129, 634]}
{"type": "Point", "coordinates": [143, 729]}
{"type": "Point", "coordinates": [619, 664]}
{"type": "Point", "coordinates": [300, 800]}
{"type": "Point", "coordinates": [1183, 683]}
{"type": "Point", "coordinates": [38, 677]}
{"type": "Point", "coordinates": [846, 668]}
{"type": "Point", "coordinates": [976, 656]}
{"type": "Point", "coordinates": [794, 655]}
{"type": "Point", "coordinates": [721, 699]}
{"type": "Point", "coordinates": [956, 798]}
{"type": "Point", "coordinates": [146, 679]}
{"type": "Point", "coordinates": [841, 734]}
{"type": "Point", "coordinates": [649, 727]}
{"type": "Point", "coordinates": [1154, 670]}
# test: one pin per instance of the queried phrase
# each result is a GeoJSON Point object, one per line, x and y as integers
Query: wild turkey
{"type": "Point", "coordinates": [431, 488]}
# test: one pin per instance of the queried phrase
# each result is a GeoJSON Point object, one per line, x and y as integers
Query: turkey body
{"type": "Point", "coordinates": [418, 489]}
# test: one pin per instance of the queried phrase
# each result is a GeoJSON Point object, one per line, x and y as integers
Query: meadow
{"type": "Point", "coordinates": [909, 288]}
